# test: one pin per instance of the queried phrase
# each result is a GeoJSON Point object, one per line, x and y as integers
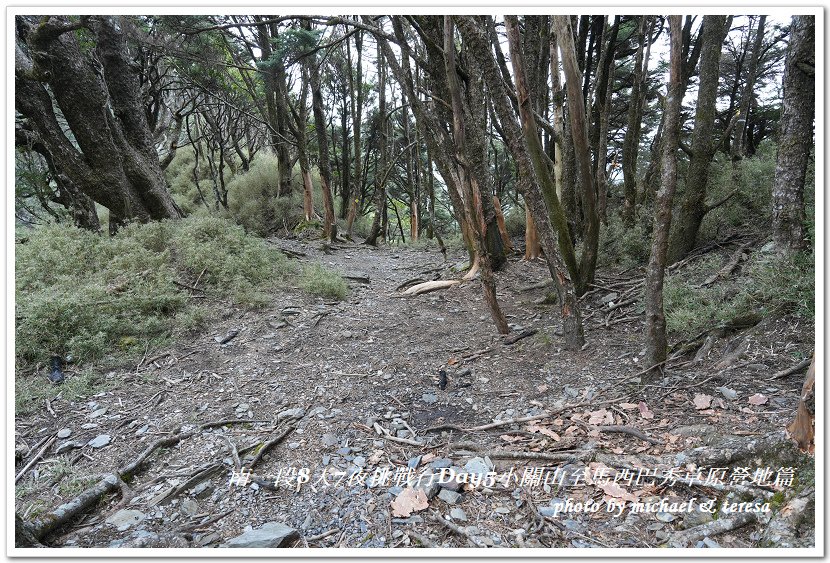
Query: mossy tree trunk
{"type": "Point", "coordinates": [693, 207]}
{"type": "Point", "coordinates": [795, 137]}
{"type": "Point", "coordinates": [656, 342]}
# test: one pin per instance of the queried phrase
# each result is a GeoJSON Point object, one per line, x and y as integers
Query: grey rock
{"type": "Point", "coordinates": [124, 519]}
{"type": "Point", "coordinates": [448, 496]}
{"type": "Point", "coordinates": [298, 412]}
{"type": "Point", "coordinates": [665, 516]}
{"type": "Point", "coordinates": [89, 425]}
{"type": "Point", "coordinates": [293, 445]}
{"type": "Point", "coordinates": [440, 463]}
{"type": "Point", "coordinates": [458, 514]}
{"type": "Point", "coordinates": [573, 525]}
{"type": "Point", "coordinates": [189, 507]}
{"type": "Point", "coordinates": [100, 441]}
{"type": "Point", "coordinates": [329, 439]}
{"type": "Point", "coordinates": [359, 461]}
{"type": "Point", "coordinates": [730, 394]}
{"type": "Point", "coordinates": [429, 398]}
{"type": "Point", "coordinates": [609, 298]}
{"type": "Point", "coordinates": [502, 510]}
{"type": "Point", "coordinates": [70, 445]}
{"type": "Point", "coordinates": [97, 413]}
{"type": "Point", "coordinates": [203, 490]}
{"type": "Point", "coordinates": [143, 430]}
{"type": "Point", "coordinates": [64, 433]}
{"type": "Point", "coordinates": [709, 542]}
{"type": "Point", "coordinates": [414, 462]}
{"type": "Point", "coordinates": [696, 518]}
{"type": "Point", "coordinates": [145, 539]}
{"type": "Point", "coordinates": [344, 451]}
{"type": "Point", "coordinates": [476, 466]}
{"type": "Point", "coordinates": [270, 534]}
{"type": "Point", "coordinates": [428, 482]}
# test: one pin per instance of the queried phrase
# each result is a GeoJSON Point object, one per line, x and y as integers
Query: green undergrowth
{"type": "Point", "coordinates": [97, 297]}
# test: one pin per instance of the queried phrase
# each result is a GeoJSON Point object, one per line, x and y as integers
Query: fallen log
{"type": "Point", "coordinates": [429, 286]}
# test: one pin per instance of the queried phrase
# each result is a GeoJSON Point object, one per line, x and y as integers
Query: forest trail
{"type": "Point", "coordinates": [337, 374]}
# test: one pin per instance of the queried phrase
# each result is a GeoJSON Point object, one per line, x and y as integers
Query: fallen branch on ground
{"type": "Point", "coordinates": [429, 286]}
{"type": "Point", "coordinates": [686, 537]}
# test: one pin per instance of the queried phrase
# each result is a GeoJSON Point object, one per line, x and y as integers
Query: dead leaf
{"type": "Point", "coordinates": [535, 427]}
{"type": "Point", "coordinates": [758, 399]}
{"type": "Point", "coordinates": [702, 401]}
{"type": "Point", "coordinates": [614, 490]}
{"type": "Point", "coordinates": [542, 388]}
{"type": "Point", "coordinates": [452, 361]}
{"type": "Point", "coordinates": [628, 406]}
{"type": "Point", "coordinates": [644, 412]}
{"type": "Point", "coordinates": [510, 439]}
{"type": "Point", "coordinates": [426, 458]}
{"type": "Point", "coordinates": [409, 501]}
{"type": "Point", "coordinates": [601, 416]}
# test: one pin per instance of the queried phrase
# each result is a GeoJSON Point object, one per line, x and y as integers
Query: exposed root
{"type": "Point", "coordinates": [429, 286]}
{"type": "Point", "coordinates": [686, 537]}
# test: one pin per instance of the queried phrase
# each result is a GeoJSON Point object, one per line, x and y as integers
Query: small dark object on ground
{"type": "Point", "coordinates": [233, 333]}
{"type": "Point", "coordinates": [56, 375]}
{"type": "Point", "coordinates": [442, 379]}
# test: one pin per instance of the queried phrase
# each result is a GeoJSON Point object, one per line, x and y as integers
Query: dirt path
{"type": "Point", "coordinates": [333, 371]}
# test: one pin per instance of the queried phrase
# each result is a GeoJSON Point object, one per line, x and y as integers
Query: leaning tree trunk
{"type": "Point", "coordinates": [631, 140]}
{"type": "Point", "coordinates": [113, 159]}
{"type": "Point", "coordinates": [748, 93]}
{"type": "Point", "coordinates": [795, 137]}
{"type": "Point", "coordinates": [528, 183]}
{"type": "Point", "coordinates": [703, 148]}
{"type": "Point", "coordinates": [656, 342]}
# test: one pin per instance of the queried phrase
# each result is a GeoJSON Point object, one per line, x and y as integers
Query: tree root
{"type": "Point", "coordinates": [429, 286]}
{"type": "Point", "coordinates": [686, 537]}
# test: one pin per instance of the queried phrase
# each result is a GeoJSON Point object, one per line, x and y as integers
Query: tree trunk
{"type": "Point", "coordinates": [330, 224]}
{"type": "Point", "coordinates": [469, 181]}
{"type": "Point", "coordinates": [631, 140]}
{"type": "Point", "coordinates": [656, 342]}
{"type": "Point", "coordinates": [795, 137]}
{"type": "Point", "coordinates": [528, 184]}
{"type": "Point", "coordinates": [579, 134]}
{"type": "Point", "coordinates": [380, 169]}
{"type": "Point", "coordinates": [694, 208]}
{"type": "Point", "coordinates": [357, 122]}
{"type": "Point", "coordinates": [113, 159]}
{"type": "Point", "coordinates": [533, 248]}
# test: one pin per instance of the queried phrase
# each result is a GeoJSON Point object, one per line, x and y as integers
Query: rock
{"type": "Point", "coordinates": [64, 433]}
{"type": "Point", "coordinates": [145, 539]}
{"type": "Point", "coordinates": [609, 298]}
{"type": "Point", "coordinates": [293, 445]}
{"type": "Point", "coordinates": [70, 445]}
{"type": "Point", "coordinates": [344, 451]}
{"type": "Point", "coordinates": [448, 496]}
{"type": "Point", "coordinates": [449, 479]}
{"type": "Point", "coordinates": [190, 507]}
{"type": "Point", "coordinates": [502, 510]}
{"type": "Point", "coordinates": [477, 466]}
{"type": "Point", "coordinates": [270, 534]}
{"type": "Point", "coordinates": [329, 439]}
{"type": "Point", "coordinates": [573, 525]}
{"type": "Point", "coordinates": [458, 514]}
{"type": "Point", "coordinates": [143, 430]}
{"type": "Point", "coordinates": [100, 441]}
{"type": "Point", "coordinates": [428, 482]}
{"type": "Point", "coordinates": [730, 394]}
{"type": "Point", "coordinates": [124, 519]}
{"type": "Point", "coordinates": [298, 412]}
{"type": "Point", "coordinates": [440, 463]}
{"type": "Point", "coordinates": [709, 542]}
{"type": "Point", "coordinates": [203, 490]}
{"type": "Point", "coordinates": [696, 518]}
{"type": "Point", "coordinates": [360, 461]}
{"type": "Point", "coordinates": [414, 462]}
{"type": "Point", "coordinates": [89, 425]}
{"type": "Point", "coordinates": [429, 398]}
{"type": "Point", "coordinates": [665, 516]}
{"type": "Point", "coordinates": [97, 413]}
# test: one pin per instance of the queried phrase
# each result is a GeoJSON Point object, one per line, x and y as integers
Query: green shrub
{"type": "Point", "coordinates": [514, 221]}
{"type": "Point", "coordinates": [90, 295]}
{"type": "Point", "coordinates": [625, 246]}
{"type": "Point", "coordinates": [325, 283]}
{"type": "Point", "coordinates": [253, 201]}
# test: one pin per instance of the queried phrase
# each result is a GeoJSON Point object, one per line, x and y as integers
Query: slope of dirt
{"type": "Point", "coordinates": [373, 363]}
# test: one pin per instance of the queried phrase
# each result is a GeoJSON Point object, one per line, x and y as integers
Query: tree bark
{"type": "Point", "coordinates": [656, 342]}
{"type": "Point", "coordinates": [795, 137]}
{"type": "Point", "coordinates": [693, 207]}
{"type": "Point", "coordinates": [529, 185]}
{"type": "Point", "coordinates": [113, 159]}
{"type": "Point", "coordinates": [469, 180]}
{"type": "Point", "coordinates": [380, 169]}
{"type": "Point", "coordinates": [330, 222]}
{"type": "Point", "coordinates": [579, 134]}
{"type": "Point", "coordinates": [631, 140]}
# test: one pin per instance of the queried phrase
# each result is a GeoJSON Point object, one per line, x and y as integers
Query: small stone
{"type": "Point", "coordinates": [502, 510]}
{"type": "Point", "coordinates": [665, 516]}
{"type": "Point", "coordinates": [429, 398]}
{"type": "Point", "coordinates": [293, 445]}
{"type": "Point", "coordinates": [448, 496]}
{"type": "Point", "coordinates": [609, 298]}
{"type": "Point", "coordinates": [89, 425]}
{"type": "Point", "coordinates": [189, 507]}
{"type": "Point", "coordinates": [440, 463]}
{"type": "Point", "coordinates": [709, 542]}
{"type": "Point", "coordinates": [298, 412]}
{"type": "Point", "coordinates": [243, 407]}
{"type": "Point", "coordinates": [143, 430]}
{"type": "Point", "coordinates": [270, 534]}
{"type": "Point", "coordinates": [70, 445]}
{"type": "Point", "coordinates": [458, 514]}
{"type": "Point", "coordinates": [477, 466]}
{"type": "Point", "coordinates": [100, 441]}
{"type": "Point", "coordinates": [329, 439]}
{"type": "Point", "coordinates": [64, 433]}
{"type": "Point", "coordinates": [696, 518]}
{"type": "Point", "coordinates": [730, 394]}
{"type": "Point", "coordinates": [359, 461]}
{"type": "Point", "coordinates": [97, 413]}
{"type": "Point", "coordinates": [344, 451]}
{"type": "Point", "coordinates": [202, 490]}
{"type": "Point", "coordinates": [414, 462]}
{"type": "Point", "coordinates": [124, 519]}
